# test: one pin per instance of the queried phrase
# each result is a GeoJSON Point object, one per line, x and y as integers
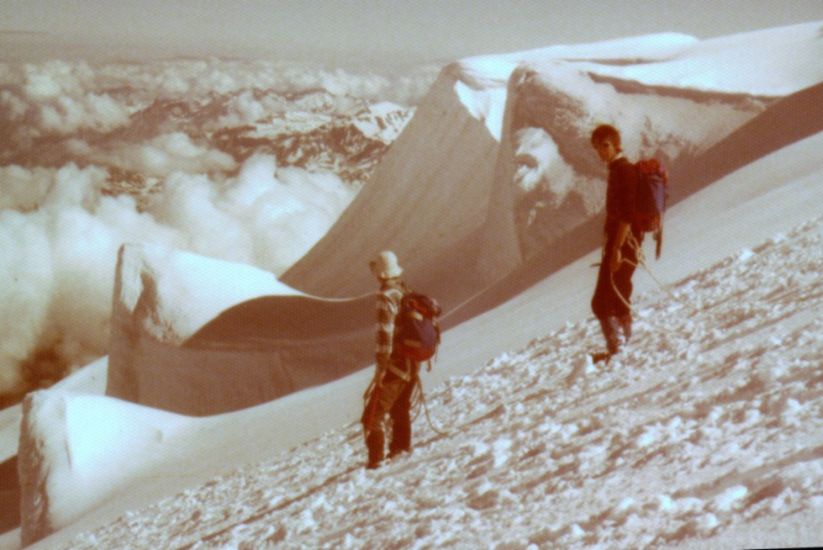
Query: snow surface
{"type": "Point", "coordinates": [705, 433]}
{"type": "Point", "coordinates": [457, 204]}
{"type": "Point", "coordinates": [178, 292]}
{"type": "Point", "coordinates": [174, 329]}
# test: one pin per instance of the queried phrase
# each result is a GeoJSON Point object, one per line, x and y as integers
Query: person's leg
{"type": "Point", "coordinates": [603, 306]}
{"type": "Point", "coordinates": [401, 421]}
{"type": "Point", "coordinates": [623, 282]}
{"type": "Point", "coordinates": [375, 445]}
{"type": "Point", "coordinates": [380, 403]}
{"type": "Point", "coordinates": [623, 311]}
{"type": "Point", "coordinates": [610, 327]}
{"type": "Point", "coordinates": [601, 300]}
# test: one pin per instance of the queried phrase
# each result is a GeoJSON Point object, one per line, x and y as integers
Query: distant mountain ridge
{"type": "Point", "coordinates": [313, 129]}
{"type": "Point", "coordinates": [349, 144]}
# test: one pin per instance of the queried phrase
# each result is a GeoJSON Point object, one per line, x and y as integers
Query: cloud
{"type": "Point", "coordinates": [264, 216]}
{"type": "Point", "coordinates": [60, 232]}
{"type": "Point", "coordinates": [23, 189]}
{"type": "Point", "coordinates": [78, 134]}
{"type": "Point", "coordinates": [165, 154]}
{"type": "Point", "coordinates": [26, 272]}
{"type": "Point", "coordinates": [244, 109]}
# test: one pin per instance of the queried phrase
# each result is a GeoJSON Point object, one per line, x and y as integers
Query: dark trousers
{"type": "Point", "coordinates": [392, 397]}
{"type": "Point", "coordinates": [612, 312]}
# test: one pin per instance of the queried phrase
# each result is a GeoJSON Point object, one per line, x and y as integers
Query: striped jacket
{"type": "Point", "coordinates": [388, 305]}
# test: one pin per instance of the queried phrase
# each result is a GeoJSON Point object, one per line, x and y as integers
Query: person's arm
{"type": "Point", "coordinates": [627, 178]}
{"type": "Point", "coordinates": [619, 239]}
{"type": "Point", "coordinates": [386, 312]}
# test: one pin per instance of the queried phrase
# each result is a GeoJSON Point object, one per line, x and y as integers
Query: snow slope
{"type": "Point", "coordinates": [738, 201]}
{"type": "Point", "coordinates": [707, 433]}
{"type": "Point", "coordinates": [502, 189]}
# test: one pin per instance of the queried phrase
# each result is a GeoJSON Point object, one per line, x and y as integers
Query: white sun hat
{"type": "Point", "coordinates": [385, 266]}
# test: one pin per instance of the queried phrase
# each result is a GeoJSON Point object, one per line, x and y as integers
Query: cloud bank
{"type": "Point", "coordinates": [95, 155]}
{"type": "Point", "coordinates": [60, 232]}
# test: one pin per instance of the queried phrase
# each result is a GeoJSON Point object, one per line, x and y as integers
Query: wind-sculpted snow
{"type": "Point", "coordinates": [62, 438]}
{"type": "Point", "coordinates": [705, 433]}
{"type": "Point", "coordinates": [425, 199]}
{"type": "Point", "coordinates": [496, 167]}
{"type": "Point", "coordinates": [263, 338]}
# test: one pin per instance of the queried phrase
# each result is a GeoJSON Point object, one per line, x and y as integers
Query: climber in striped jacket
{"type": "Point", "coordinates": [391, 390]}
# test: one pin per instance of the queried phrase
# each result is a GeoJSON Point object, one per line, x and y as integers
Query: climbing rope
{"type": "Point", "coordinates": [641, 261]}
{"type": "Point", "coordinates": [418, 400]}
{"type": "Point", "coordinates": [421, 398]}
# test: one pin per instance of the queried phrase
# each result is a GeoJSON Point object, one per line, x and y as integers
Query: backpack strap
{"type": "Point", "coordinates": [406, 375]}
{"type": "Point", "coordinates": [658, 240]}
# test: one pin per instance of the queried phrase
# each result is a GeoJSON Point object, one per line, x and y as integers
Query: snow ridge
{"type": "Point", "coordinates": [709, 427]}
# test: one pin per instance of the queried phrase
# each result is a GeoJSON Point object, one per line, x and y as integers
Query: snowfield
{"type": "Point", "coordinates": [706, 433]}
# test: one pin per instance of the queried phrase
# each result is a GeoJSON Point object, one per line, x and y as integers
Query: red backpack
{"type": "Point", "coordinates": [650, 201]}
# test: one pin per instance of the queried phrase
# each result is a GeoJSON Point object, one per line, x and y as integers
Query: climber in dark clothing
{"type": "Point", "coordinates": [612, 294]}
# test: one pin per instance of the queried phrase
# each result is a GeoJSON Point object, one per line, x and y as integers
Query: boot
{"type": "Point", "coordinates": [375, 443]}
{"type": "Point", "coordinates": [401, 434]}
{"type": "Point", "coordinates": [610, 328]}
{"type": "Point", "coordinates": [625, 322]}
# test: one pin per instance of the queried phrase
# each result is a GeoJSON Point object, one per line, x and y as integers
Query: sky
{"type": "Point", "coordinates": [365, 31]}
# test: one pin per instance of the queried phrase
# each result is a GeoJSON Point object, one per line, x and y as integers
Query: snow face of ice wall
{"type": "Point", "coordinates": [426, 200]}
{"type": "Point", "coordinates": [671, 98]}
{"type": "Point", "coordinates": [185, 328]}
{"type": "Point", "coordinates": [496, 165]}
{"type": "Point", "coordinates": [75, 449]}
{"type": "Point", "coordinates": [546, 165]}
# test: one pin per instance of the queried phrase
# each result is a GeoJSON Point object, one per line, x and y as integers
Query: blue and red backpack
{"type": "Point", "coordinates": [417, 328]}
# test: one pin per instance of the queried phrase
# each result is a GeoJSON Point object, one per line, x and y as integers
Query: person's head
{"type": "Point", "coordinates": [606, 141]}
{"type": "Point", "coordinates": [385, 266]}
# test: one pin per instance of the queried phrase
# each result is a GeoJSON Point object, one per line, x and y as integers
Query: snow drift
{"type": "Point", "coordinates": [180, 337]}
{"type": "Point", "coordinates": [90, 445]}
{"type": "Point", "coordinates": [90, 379]}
